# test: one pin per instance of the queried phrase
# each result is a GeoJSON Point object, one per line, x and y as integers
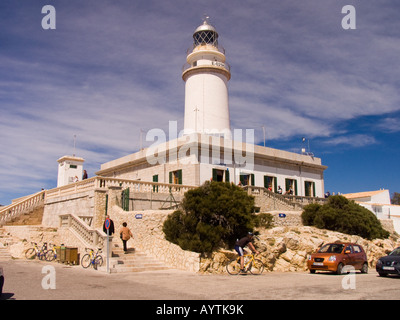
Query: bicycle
{"type": "Point", "coordinates": [255, 266]}
{"type": "Point", "coordinates": [92, 259]}
{"type": "Point", "coordinates": [34, 252]}
{"type": "Point", "coordinates": [52, 253]}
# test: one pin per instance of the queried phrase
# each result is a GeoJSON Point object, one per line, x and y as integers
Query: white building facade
{"type": "Point", "coordinates": [70, 169]}
{"type": "Point", "coordinates": [379, 203]}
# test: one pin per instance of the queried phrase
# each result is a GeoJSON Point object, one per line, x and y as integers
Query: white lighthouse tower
{"type": "Point", "coordinates": [206, 75]}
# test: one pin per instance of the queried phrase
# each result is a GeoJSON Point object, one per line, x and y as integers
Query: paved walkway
{"type": "Point", "coordinates": [24, 279]}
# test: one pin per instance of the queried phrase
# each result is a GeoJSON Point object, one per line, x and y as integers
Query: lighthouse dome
{"type": "Point", "coordinates": [205, 34]}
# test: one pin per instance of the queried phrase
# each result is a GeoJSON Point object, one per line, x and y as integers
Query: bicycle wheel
{"type": "Point", "coordinates": [50, 255]}
{"type": "Point", "coordinates": [233, 267]}
{"type": "Point", "coordinates": [257, 267]}
{"type": "Point", "coordinates": [98, 261]}
{"type": "Point", "coordinates": [42, 255]}
{"type": "Point", "coordinates": [85, 262]}
{"type": "Point", "coordinates": [30, 253]}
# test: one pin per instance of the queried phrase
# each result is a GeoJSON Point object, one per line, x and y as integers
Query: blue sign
{"type": "Point", "coordinates": [139, 216]}
{"type": "Point", "coordinates": [282, 215]}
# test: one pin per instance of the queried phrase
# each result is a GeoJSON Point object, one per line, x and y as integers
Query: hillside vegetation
{"type": "Point", "coordinates": [345, 216]}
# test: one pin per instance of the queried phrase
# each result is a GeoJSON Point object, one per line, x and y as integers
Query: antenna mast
{"type": "Point", "coordinates": [74, 145]}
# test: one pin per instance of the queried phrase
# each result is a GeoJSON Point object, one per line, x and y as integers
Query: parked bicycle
{"type": "Point", "coordinates": [92, 258]}
{"type": "Point", "coordinates": [51, 254]}
{"type": "Point", "coordinates": [252, 265]}
{"type": "Point", "coordinates": [36, 252]}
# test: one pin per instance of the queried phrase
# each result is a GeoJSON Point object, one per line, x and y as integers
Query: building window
{"type": "Point", "coordinates": [73, 166]}
{"type": "Point", "coordinates": [175, 177]}
{"type": "Point", "coordinates": [247, 179]}
{"type": "Point", "coordinates": [220, 175]}
{"type": "Point", "coordinates": [270, 183]}
{"type": "Point", "coordinates": [309, 188]}
{"type": "Point", "coordinates": [377, 209]}
{"type": "Point", "coordinates": [291, 187]}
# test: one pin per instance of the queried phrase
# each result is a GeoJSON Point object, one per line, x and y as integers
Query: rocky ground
{"type": "Point", "coordinates": [287, 248]}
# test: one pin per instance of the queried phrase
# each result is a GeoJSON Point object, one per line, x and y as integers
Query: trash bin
{"type": "Point", "coordinates": [62, 254]}
{"type": "Point", "coordinates": [58, 252]}
{"type": "Point", "coordinates": [71, 255]}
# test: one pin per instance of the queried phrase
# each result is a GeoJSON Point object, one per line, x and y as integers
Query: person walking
{"type": "Point", "coordinates": [125, 234]}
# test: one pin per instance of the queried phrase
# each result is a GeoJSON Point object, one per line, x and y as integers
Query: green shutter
{"type": "Point", "coordinates": [125, 199]}
{"type": "Point", "coordinates": [252, 179]}
{"type": "Point", "coordinates": [180, 176]}
{"type": "Point", "coordinates": [275, 184]}
{"type": "Point", "coordinates": [287, 185]}
{"type": "Point", "coordinates": [295, 187]}
{"type": "Point", "coordinates": [214, 174]}
{"type": "Point", "coordinates": [266, 182]}
{"type": "Point", "coordinates": [313, 187]}
{"type": "Point", "coordinates": [170, 177]}
{"type": "Point", "coordinates": [106, 204]}
{"type": "Point", "coordinates": [227, 175]}
{"type": "Point", "coordinates": [155, 179]}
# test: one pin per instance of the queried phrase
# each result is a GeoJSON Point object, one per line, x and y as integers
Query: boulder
{"type": "Point", "coordinates": [286, 249]}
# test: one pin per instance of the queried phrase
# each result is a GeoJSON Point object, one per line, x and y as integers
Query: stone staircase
{"type": "Point", "coordinates": [5, 241]}
{"type": "Point", "coordinates": [132, 261]}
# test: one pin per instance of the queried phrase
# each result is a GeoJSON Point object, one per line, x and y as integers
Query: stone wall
{"type": "Point", "coordinates": [23, 236]}
{"type": "Point", "coordinates": [286, 218]}
{"type": "Point", "coordinates": [88, 205]}
{"type": "Point", "coordinates": [146, 227]}
{"type": "Point", "coordinates": [80, 204]}
{"type": "Point", "coordinates": [266, 203]}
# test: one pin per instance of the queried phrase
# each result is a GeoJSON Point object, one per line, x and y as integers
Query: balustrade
{"type": "Point", "coordinates": [91, 237]}
{"type": "Point", "coordinates": [16, 209]}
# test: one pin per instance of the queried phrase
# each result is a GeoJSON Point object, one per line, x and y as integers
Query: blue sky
{"type": "Point", "coordinates": [113, 68]}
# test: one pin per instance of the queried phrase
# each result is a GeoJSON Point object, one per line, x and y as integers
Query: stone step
{"type": "Point", "coordinates": [4, 253]}
{"type": "Point", "coordinates": [134, 269]}
{"type": "Point", "coordinates": [132, 261]}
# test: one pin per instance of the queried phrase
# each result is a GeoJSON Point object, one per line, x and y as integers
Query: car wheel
{"type": "Point", "coordinates": [382, 274]}
{"type": "Point", "coordinates": [312, 271]}
{"type": "Point", "coordinates": [364, 268]}
{"type": "Point", "coordinates": [339, 269]}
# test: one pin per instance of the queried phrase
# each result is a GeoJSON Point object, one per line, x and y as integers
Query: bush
{"type": "Point", "coordinates": [215, 213]}
{"type": "Point", "coordinates": [345, 216]}
{"type": "Point", "coordinates": [263, 220]}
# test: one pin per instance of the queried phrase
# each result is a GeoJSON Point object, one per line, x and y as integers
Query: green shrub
{"type": "Point", "coordinates": [342, 215]}
{"type": "Point", "coordinates": [215, 213]}
{"type": "Point", "coordinates": [263, 220]}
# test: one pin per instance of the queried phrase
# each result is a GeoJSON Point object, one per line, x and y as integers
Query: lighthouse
{"type": "Point", "coordinates": [206, 150]}
{"type": "Point", "coordinates": [206, 75]}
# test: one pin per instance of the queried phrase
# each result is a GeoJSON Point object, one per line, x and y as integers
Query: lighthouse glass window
{"type": "Point", "coordinates": [205, 37]}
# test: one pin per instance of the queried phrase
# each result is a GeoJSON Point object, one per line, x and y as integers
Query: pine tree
{"type": "Point", "coordinates": [215, 214]}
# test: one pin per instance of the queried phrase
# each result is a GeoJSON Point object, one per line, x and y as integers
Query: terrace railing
{"type": "Point", "coordinates": [21, 206]}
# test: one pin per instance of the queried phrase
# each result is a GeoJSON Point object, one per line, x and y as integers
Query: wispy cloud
{"type": "Point", "coordinates": [112, 68]}
{"type": "Point", "coordinates": [356, 140]}
{"type": "Point", "coordinates": [391, 125]}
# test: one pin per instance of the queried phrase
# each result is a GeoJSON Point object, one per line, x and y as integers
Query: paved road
{"type": "Point", "coordinates": [24, 280]}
